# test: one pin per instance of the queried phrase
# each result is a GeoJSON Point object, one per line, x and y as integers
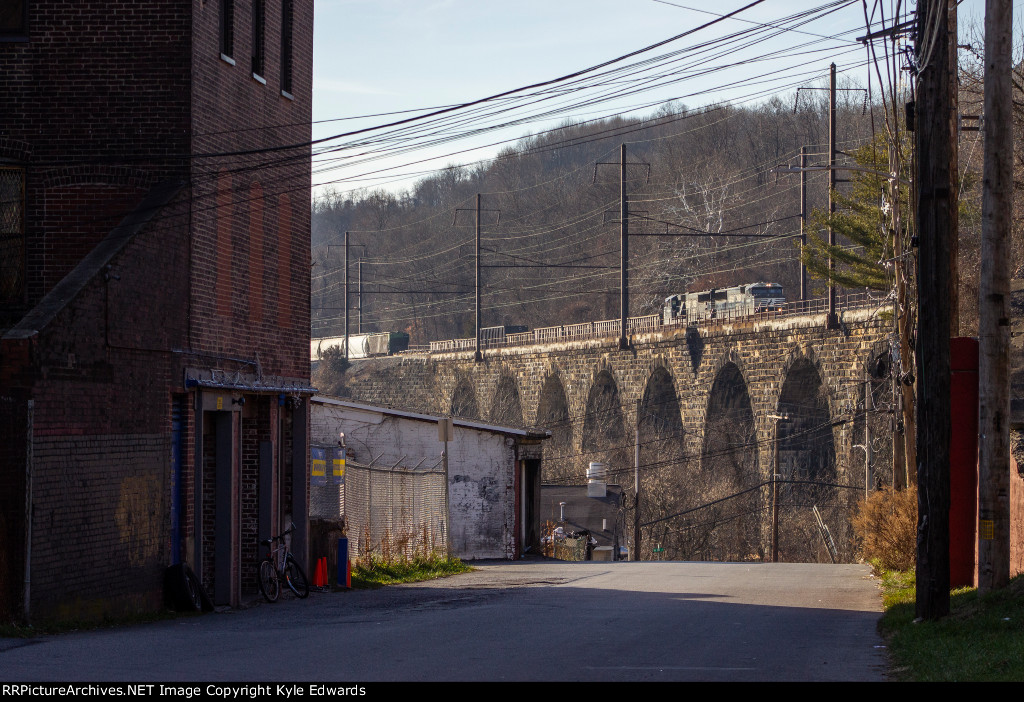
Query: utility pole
{"type": "Point", "coordinates": [346, 295]}
{"type": "Point", "coordinates": [636, 484]}
{"type": "Point", "coordinates": [623, 251]}
{"type": "Point", "coordinates": [775, 497]}
{"type": "Point", "coordinates": [477, 356]}
{"type": "Point", "coordinates": [933, 370]}
{"type": "Point", "coordinates": [359, 295]}
{"type": "Point", "coordinates": [994, 294]}
{"type": "Point", "coordinates": [803, 221]}
{"type": "Point", "coordinates": [953, 72]}
{"type": "Point", "coordinates": [832, 321]}
{"type": "Point", "coordinates": [776, 465]}
{"type": "Point", "coordinates": [623, 244]}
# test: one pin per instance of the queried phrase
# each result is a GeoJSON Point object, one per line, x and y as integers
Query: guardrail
{"type": "Point", "coordinates": [609, 328]}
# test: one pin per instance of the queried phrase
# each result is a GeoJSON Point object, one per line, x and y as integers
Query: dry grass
{"type": "Point", "coordinates": [886, 527]}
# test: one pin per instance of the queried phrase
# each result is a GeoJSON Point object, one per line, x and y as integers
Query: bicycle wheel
{"type": "Point", "coordinates": [296, 578]}
{"type": "Point", "coordinates": [270, 586]}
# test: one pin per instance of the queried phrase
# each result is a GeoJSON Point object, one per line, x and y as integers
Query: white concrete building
{"type": "Point", "coordinates": [493, 476]}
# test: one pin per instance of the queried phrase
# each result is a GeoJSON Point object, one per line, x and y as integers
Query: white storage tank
{"type": "Point", "coordinates": [597, 479]}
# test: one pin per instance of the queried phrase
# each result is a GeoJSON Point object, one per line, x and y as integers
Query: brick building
{"type": "Point", "coordinates": [154, 296]}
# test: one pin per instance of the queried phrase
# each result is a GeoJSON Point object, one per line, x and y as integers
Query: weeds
{"type": "Point", "coordinates": [375, 571]}
{"type": "Point", "coordinates": [886, 527]}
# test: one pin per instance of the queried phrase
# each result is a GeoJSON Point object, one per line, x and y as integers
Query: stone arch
{"type": "Point", "coordinates": [806, 443]}
{"type": "Point", "coordinates": [731, 529]}
{"type": "Point", "coordinates": [506, 407]}
{"type": "Point", "coordinates": [663, 464]}
{"type": "Point", "coordinates": [729, 430]}
{"type": "Point", "coordinates": [871, 421]}
{"type": "Point", "coordinates": [604, 427]}
{"type": "Point", "coordinates": [807, 457]}
{"type": "Point", "coordinates": [464, 402]}
{"type": "Point", "coordinates": [553, 415]}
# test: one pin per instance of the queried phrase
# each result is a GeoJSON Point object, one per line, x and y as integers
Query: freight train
{"type": "Point", "coordinates": [682, 308]}
{"type": "Point", "coordinates": [723, 303]}
{"type": "Point", "coordinates": [361, 345]}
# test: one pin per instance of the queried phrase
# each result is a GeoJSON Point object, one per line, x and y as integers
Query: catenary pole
{"type": "Point", "coordinates": [803, 221]}
{"type": "Point", "coordinates": [623, 251]}
{"type": "Point", "coordinates": [345, 278]}
{"type": "Point", "coordinates": [478, 356]}
{"type": "Point", "coordinates": [832, 320]}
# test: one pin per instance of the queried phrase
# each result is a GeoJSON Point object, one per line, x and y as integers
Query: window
{"type": "Point", "coordinates": [286, 46]}
{"type": "Point", "coordinates": [227, 28]}
{"type": "Point", "coordinates": [12, 17]}
{"type": "Point", "coordinates": [258, 17]}
{"type": "Point", "coordinates": [12, 233]}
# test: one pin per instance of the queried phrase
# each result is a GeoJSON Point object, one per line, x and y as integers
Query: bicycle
{"type": "Point", "coordinates": [279, 565]}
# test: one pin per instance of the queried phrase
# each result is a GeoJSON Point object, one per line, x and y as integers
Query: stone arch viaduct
{"type": "Point", "coordinates": [709, 403]}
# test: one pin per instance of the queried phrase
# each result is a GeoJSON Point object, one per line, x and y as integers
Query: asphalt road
{"type": "Point", "coordinates": [523, 621]}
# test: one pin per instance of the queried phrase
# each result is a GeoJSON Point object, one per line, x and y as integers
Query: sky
{"type": "Point", "coordinates": [387, 56]}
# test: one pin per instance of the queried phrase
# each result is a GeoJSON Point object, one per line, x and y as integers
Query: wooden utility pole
{"type": "Point", "coordinates": [994, 307]}
{"type": "Point", "coordinates": [636, 486]}
{"type": "Point", "coordinates": [934, 204]}
{"type": "Point", "coordinates": [953, 72]}
{"type": "Point", "coordinates": [775, 497]}
{"type": "Point", "coordinates": [345, 278]}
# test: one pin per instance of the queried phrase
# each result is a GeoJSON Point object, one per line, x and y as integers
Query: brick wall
{"type": "Point", "coordinates": [100, 536]}
{"type": "Point", "coordinates": [101, 103]}
{"type": "Point", "coordinates": [251, 211]}
{"type": "Point", "coordinates": [96, 106]}
{"type": "Point", "coordinates": [14, 422]}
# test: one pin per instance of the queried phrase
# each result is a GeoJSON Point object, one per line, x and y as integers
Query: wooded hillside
{"type": "Point", "coordinates": [550, 233]}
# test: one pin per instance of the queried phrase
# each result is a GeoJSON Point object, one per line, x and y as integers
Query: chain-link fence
{"type": "Point", "coordinates": [390, 512]}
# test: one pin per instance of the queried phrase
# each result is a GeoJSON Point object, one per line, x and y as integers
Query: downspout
{"type": "Point", "coordinates": [27, 593]}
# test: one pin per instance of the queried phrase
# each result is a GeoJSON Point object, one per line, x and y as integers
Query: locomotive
{"type": "Point", "coordinates": [718, 303]}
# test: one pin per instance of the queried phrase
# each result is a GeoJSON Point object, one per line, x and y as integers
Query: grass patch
{"type": "Point", "coordinates": [982, 639]}
{"type": "Point", "coordinates": [375, 571]}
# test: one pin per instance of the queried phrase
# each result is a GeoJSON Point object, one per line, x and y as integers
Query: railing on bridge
{"type": "Point", "coordinates": [609, 328]}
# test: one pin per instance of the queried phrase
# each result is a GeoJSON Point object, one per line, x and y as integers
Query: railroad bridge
{"type": "Point", "coordinates": [711, 404]}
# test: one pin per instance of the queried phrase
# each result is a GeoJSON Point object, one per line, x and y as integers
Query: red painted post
{"type": "Point", "coordinates": [963, 460]}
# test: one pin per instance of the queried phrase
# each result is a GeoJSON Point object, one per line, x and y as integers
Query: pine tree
{"type": "Point", "coordinates": [862, 218]}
